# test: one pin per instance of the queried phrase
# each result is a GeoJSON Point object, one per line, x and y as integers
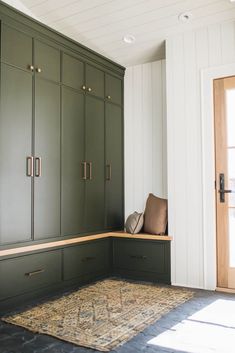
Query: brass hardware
{"type": "Point", "coordinates": [89, 89]}
{"type": "Point", "coordinates": [31, 67]}
{"type": "Point", "coordinates": [34, 273]}
{"type": "Point", "coordinates": [29, 166]}
{"type": "Point", "coordinates": [38, 166]}
{"type": "Point", "coordinates": [109, 167]}
{"type": "Point", "coordinates": [90, 170]}
{"type": "Point", "coordinates": [84, 88]}
{"type": "Point", "coordinates": [109, 97]}
{"type": "Point", "coordinates": [39, 70]}
{"type": "Point", "coordinates": [84, 164]}
{"type": "Point", "coordinates": [88, 258]}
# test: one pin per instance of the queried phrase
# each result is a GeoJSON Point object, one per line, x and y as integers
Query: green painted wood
{"type": "Point", "coordinates": [27, 273]}
{"type": "Point", "coordinates": [95, 81]}
{"type": "Point", "coordinates": [15, 146]}
{"type": "Point", "coordinates": [73, 185]}
{"type": "Point", "coordinates": [47, 146]}
{"type": "Point", "coordinates": [114, 166]}
{"type": "Point", "coordinates": [94, 200]}
{"type": "Point", "coordinates": [113, 89]}
{"type": "Point", "coordinates": [47, 59]}
{"type": "Point", "coordinates": [86, 258]}
{"type": "Point", "coordinates": [16, 48]}
{"type": "Point", "coordinates": [72, 72]}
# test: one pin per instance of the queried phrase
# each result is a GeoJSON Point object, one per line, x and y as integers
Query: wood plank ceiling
{"type": "Point", "coordinates": [102, 24]}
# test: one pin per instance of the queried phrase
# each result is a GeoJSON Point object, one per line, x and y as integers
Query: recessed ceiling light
{"type": "Point", "coordinates": [129, 39]}
{"type": "Point", "coordinates": [185, 17]}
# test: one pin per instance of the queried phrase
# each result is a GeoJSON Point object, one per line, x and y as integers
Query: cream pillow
{"type": "Point", "coordinates": [134, 223]}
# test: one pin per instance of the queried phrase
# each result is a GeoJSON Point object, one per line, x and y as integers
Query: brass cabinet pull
{"type": "Point", "coordinates": [39, 70]}
{"type": "Point", "coordinates": [89, 89]}
{"type": "Point", "coordinates": [31, 67]}
{"type": "Point", "coordinates": [34, 273]}
{"type": "Point", "coordinates": [90, 170]}
{"type": "Point", "coordinates": [84, 87]}
{"type": "Point", "coordinates": [109, 97]}
{"type": "Point", "coordinates": [84, 175]}
{"type": "Point", "coordinates": [38, 166]}
{"type": "Point", "coordinates": [29, 166]}
{"type": "Point", "coordinates": [109, 168]}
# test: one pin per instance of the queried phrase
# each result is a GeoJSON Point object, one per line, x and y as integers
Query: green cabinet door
{"type": "Point", "coordinates": [72, 72]}
{"type": "Point", "coordinates": [47, 61]}
{"type": "Point", "coordinates": [15, 147]}
{"type": "Point", "coordinates": [73, 184]}
{"type": "Point", "coordinates": [113, 89]}
{"type": "Point", "coordinates": [94, 81]}
{"type": "Point", "coordinates": [94, 201]}
{"type": "Point", "coordinates": [47, 166]}
{"type": "Point", "coordinates": [16, 48]}
{"type": "Point", "coordinates": [114, 166]}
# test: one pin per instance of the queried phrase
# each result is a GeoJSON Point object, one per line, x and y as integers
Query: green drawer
{"type": "Point", "coordinates": [84, 259]}
{"type": "Point", "coordinates": [30, 272]}
{"type": "Point", "coordinates": [141, 255]}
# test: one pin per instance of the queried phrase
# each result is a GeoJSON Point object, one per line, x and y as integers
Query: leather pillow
{"type": "Point", "coordinates": [155, 216]}
{"type": "Point", "coordinates": [134, 223]}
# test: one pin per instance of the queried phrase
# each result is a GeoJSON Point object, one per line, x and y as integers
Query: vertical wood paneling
{"type": "Point", "coordinates": [187, 54]}
{"type": "Point", "coordinates": [145, 139]}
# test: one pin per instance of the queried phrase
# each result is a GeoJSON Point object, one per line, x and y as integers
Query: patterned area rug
{"type": "Point", "coordinates": [102, 315]}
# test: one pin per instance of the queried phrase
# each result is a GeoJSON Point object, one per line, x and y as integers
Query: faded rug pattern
{"type": "Point", "coordinates": [102, 315]}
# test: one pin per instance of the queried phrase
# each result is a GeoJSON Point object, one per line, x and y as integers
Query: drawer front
{"type": "Point", "coordinates": [31, 272]}
{"type": "Point", "coordinates": [84, 259]}
{"type": "Point", "coordinates": [138, 255]}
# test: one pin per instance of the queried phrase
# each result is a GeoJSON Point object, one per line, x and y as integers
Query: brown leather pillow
{"type": "Point", "coordinates": [155, 216]}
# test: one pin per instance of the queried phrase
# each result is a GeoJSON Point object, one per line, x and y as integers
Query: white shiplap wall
{"type": "Point", "coordinates": [145, 134]}
{"type": "Point", "coordinates": [188, 55]}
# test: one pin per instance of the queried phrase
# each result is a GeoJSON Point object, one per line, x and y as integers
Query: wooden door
{"type": "Point", "coordinates": [47, 160]}
{"type": "Point", "coordinates": [94, 156]}
{"type": "Point", "coordinates": [224, 102]}
{"type": "Point", "coordinates": [73, 172]}
{"type": "Point", "coordinates": [15, 147]}
{"type": "Point", "coordinates": [114, 166]}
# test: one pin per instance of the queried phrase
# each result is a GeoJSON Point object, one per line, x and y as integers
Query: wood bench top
{"type": "Point", "coordinates": [81, 239]}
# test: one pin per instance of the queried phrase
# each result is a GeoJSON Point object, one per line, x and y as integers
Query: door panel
{"type": "Point", "coordinates": [114, 166]}
{"type": "Point", "coordinates": [94, 204]}
{"type": "Point", "coordinates": [47, 59]}
{"type": "Point", "coordinates": [47, 147]}
{"type": "Point", "coordinates": [15, 146]}
{"type": "Point", "coordinates": [95, 81]}
{"type": "Point", "coordinates": [73, 184]}
{"type": "Point", "coordinates": [73, 72]}
{"type": "Point", "coordinates": [16, 48]}
{"type": "Point", "coordinates": [113, 89]}
{"type": "Point", "coordinates": [224, 96]}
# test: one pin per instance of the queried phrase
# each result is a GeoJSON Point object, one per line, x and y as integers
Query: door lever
{"type": "Point", "coordinates": [222, 191]}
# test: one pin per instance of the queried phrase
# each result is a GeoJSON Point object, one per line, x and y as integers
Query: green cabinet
{"type": "Point", "coordinates": [47, 61]}
{"type": "Point", "coordinates": [113, 89]}
{"type": "Point", "coordinates": [94, 81]}
{"type": "Point", "coordinates": [114, 166]}
{"type": "Point", "coordinates": [15, 147]}
{"type": "Point", "coordinates": [73, 72]}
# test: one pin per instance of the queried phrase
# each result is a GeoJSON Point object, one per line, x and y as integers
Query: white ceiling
{"type": "Point", "coordinates": [101, 24]}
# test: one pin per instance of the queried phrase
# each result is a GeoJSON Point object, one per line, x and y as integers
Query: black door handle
{"type": "Point", "coordinates": [222, 191]}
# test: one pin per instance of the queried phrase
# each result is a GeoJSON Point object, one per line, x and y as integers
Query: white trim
{"type": "Point", "coordinates": [208, 170]}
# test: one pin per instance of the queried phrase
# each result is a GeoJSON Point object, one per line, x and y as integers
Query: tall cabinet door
{"type": "Point", "coordinates": [94, 202]}
{"type": "Point", "coordinates": [15, 147]}
{"type": "Point", "coordinates": [114, 166]}
{"type": "Point", "coordinates": [47, 160]}
{"type": "Point", "coordinates": [73, 166]}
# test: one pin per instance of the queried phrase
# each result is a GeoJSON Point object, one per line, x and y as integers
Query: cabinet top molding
{"type": "Point", "coordinates": [61, 243]}
{"type": "Point", "coordinates": [8, 12]}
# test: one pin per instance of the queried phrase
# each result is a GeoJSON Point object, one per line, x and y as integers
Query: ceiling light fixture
{"type": "Point", "coordinates": [185, 17]}
{"type": "Point", "coordinates": [129, 39]}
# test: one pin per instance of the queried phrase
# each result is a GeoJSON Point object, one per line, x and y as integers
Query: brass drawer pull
{"type": "Point", "coordinates": [29, 166]}
{"type": "Point", "coordinates": [84, 175]}
{"type": "Point", "coordinates": [34, 273]}
{"type": "Point", "coordinates": [88, 258]}
{"type": "Point", "coordinates": [138, 257]}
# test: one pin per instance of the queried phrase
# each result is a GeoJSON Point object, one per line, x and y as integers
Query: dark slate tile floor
{"type": "Point", "coordinates": [14, 339]}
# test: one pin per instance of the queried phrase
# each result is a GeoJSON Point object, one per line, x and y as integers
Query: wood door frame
{"type": "Point", "coordinates": [208, 171]}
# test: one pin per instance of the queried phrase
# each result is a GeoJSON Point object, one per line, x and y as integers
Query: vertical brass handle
{"type": "Point", "coordinates": [84, 175]}
{"type": "Point", "coordinates": [29, 166]}
{"type": "Point", "coordinates": [90, 170]}
{"type": "Point", "coordinates": [38, 166]}
{"type": "Point", "coordinates": [34, 273]}
{"type": "Point", "coordinates": [109, 168]}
